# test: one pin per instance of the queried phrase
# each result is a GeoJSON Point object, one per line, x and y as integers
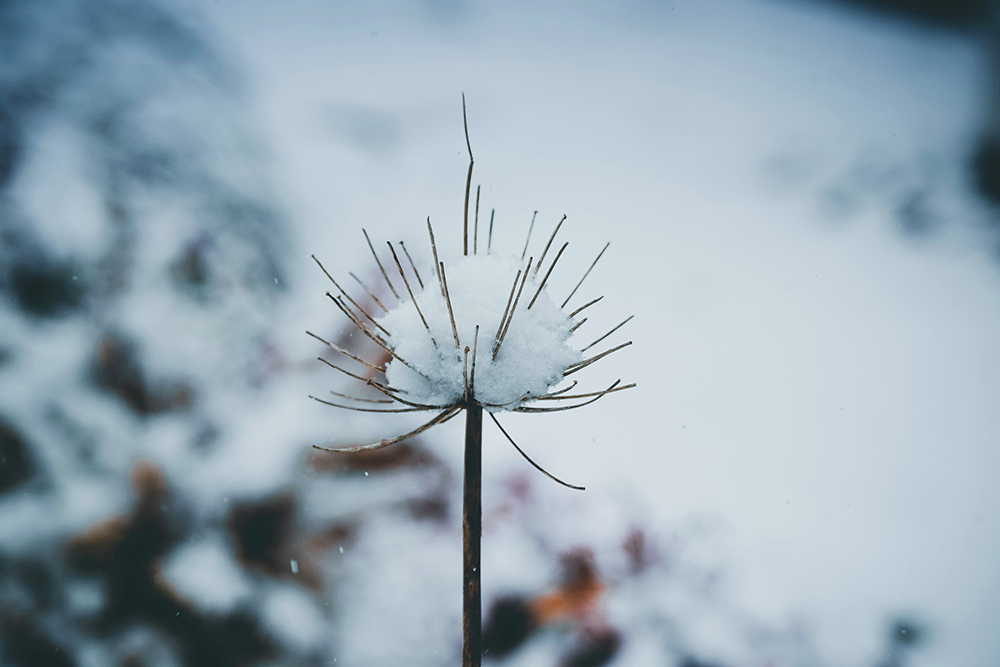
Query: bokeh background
{"type": "Point", "coordinates": [801, 202]}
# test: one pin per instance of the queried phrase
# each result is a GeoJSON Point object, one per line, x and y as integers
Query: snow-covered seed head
{"type": "Point", "coordinates": [530, 359]}
{"type": "Point", "coordinates": [482, 330]}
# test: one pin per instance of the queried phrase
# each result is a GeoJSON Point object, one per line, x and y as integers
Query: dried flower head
{"type": "Point", "coordinates": [482, 332]}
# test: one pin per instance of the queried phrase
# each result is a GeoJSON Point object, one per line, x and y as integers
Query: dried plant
{"type": "Point", "coordinates": [425, 333]}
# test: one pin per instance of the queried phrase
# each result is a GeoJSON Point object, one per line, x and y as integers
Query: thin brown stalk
{"type": "Point", "coordinates": [412, 264]}
{"type": "Point", "coordinates": [342, 291]}
{"type": "Point", "coordinates": [472, 535]}
{"type": "Point", "coordinates": [547, 274]}
{"type": "Point", "coordinates": [357, 409]}
{"type": "Point", "coordinates": [584, 306]}
{"type": "Point", "coordinates": [510, 318]}
{"type": "Point", "coordinates": [580, 365]}
{"type": "Point", "coordinates": [547, 245]}
{"type": "Point", "coordinates": [593, 264]}
{"type": "Point", "coordinates": [440, 419]}
{"type": "Point", "coordinates": [406, 282]}
{"type": "Point", "coordinates": [527, 240]}
{"type": "Point", "coordinates": [447, 298]}
{"type": "Point", "coordinates": [370, 292]}
{"type": "Point", "coordinates": [528, 458]}
{"type": "Point", "coordinates": [579, 324]}
{"type": "Point", "coordinates": [372, 366]}
{"type": "Point", "coordinates": [380, 267]}
{"type": "Point", "coordinates": [608, 334]}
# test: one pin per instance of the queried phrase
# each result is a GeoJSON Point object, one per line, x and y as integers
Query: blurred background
{"type": "Point", "coordinates": [801, 199]}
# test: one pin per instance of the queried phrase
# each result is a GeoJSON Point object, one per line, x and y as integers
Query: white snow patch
{"type": "Point", "coordinates": [533, 356]}
{"type": "Point", "coordinates": [73, 221]}
{"type": "Point", "coordinates": [205, 573]}
{"type": "Point", "coordinates": [400, 598]}
{"type": "Point", "coordinates": [84, 596]}
{"type": "Point", "coordinates": [292, 615]}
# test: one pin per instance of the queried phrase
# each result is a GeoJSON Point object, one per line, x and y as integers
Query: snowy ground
{"type": "Point", "coordinates": [811, 447]}
{"type": "Point", "coordinates": [810, 372]}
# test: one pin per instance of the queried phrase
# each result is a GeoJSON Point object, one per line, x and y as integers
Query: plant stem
{"type": "Point", "coordinates": [472, 533]}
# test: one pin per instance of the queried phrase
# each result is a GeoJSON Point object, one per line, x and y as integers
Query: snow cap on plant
{"type": "Point", "coordinates": [480, 332]}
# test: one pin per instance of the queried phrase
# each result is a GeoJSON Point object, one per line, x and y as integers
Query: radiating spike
{"type": "Point", "coordinates": [353, 302]}
{"type": "Point", "coordinates": [447, 298]}
{"type": "Point", "coordinates": [394, 394]}
{"type": "Point", "coordinates": [468, 180]}
{"type": "Point", "coordinates": [430, 230]}
{"type": "Point", "coordinates": [547, 274]}
{"type": "Point", "coordinates": [380, 369]}
{"type": "Point", "coordinates": [528, 458]}
{"type": "Point", "coordinates": [553, 397]}
{"type": "Point", "coordinates": [561, 391]}
{"type": "Point", "coordinates": [579, 324]}
{"type": "Point", "coordinates": [526, 396]}
{"type": "Point", "coordinates": [580, 365]}
{"type": "Point", "coordinates": [593, 264]}
{"type": "Point", "coordinates": [406, 282]}
{"type": "Point", "coordinates": [475, 225]}
{"type": "Point", "coordinates": [503, 320]}
{"type": "Point", "coordinates": [339, 302]}
{"type": "Point", "coordinates": [465, 373]}
{"type": "Point", "coordinates": [380, 267]}
{"type": "Point", "coordinates": [439, 419]}
{"type": "Point", "coordinates": [489, 239]}
{"type": "Point", "coordinates": [581, 308]}
{"type": "Point", "coordinates": [412, 265]}
{"type": "Point", "coordinates": [370, 292]}
{"type": "Point", "coordinates": [608, 334]}
{"type": "Point", "coordinates": [567, 407]}
{"type": "Point", "coordinates": [357, 409]}
{"type": "Point", "coordinates": [344, 371]}
{"type": "Point", "coordinates": [547, 245]}
{"type": "Point", "coordinates": [362, 400]}
{"type": "Point", "coordinates": [375, 337]}
{"type": "Point", "coordinates": [510, 318]}
{"type": "Point", "coordinates": [472, 373]}
{"type": "Point", "coordinates": [527, 240]}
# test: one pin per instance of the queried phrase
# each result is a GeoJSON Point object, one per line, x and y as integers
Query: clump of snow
{"type": "Point", "coordinates": [532, 357]}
